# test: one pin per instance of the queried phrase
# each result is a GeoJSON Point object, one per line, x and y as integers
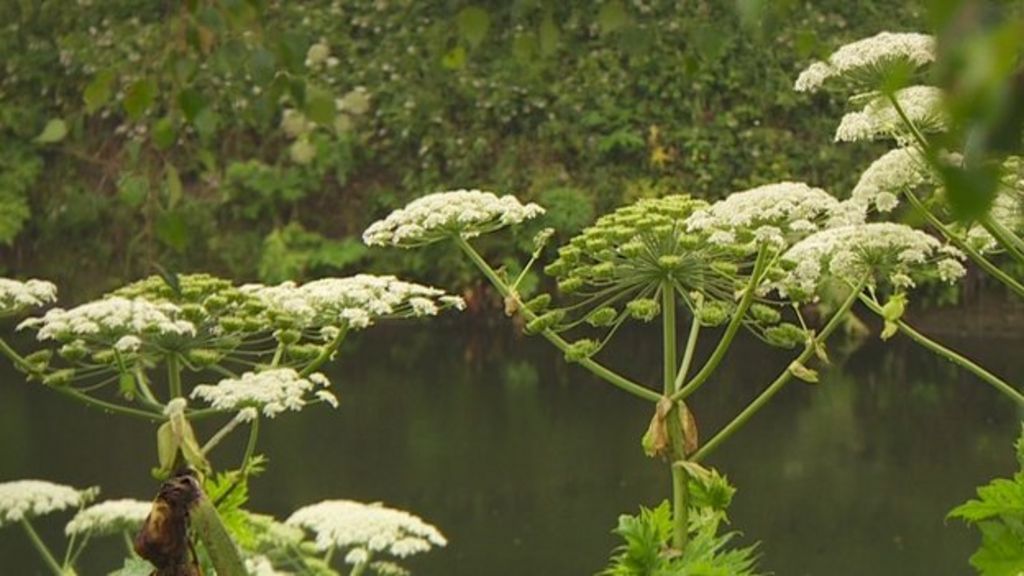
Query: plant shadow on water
{"type": "Point", "coordinates": [525, 463]}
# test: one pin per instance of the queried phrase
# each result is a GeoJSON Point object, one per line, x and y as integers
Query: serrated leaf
{"type": "Point", "coordinates": [473, 23]}
{"type": "Point", "coordinates": [54, 131]}
{"type": "Point", "coordinates": [97, 93]}
{"type": "Point", "coordinates": [803, 372]}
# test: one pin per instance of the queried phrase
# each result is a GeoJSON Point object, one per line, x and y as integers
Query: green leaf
{"type": "Point", "coordinates": [612, 16]}
{"type": "Point", "coordinates": [191, 102]}
{"type": "Point", "coordinates": [98, 92]}
{"type": "Point", "coordinates": [320, 106]}
{"type": "Point", "coordinates": [473, 23]}
{"type": "Point", "coordinates": [139, 97]}
{"type": "Point", "coordinates": [548, 36]}
{"type": "Point", "coordinates": [172, 229]}
{"type": "Point", "coordinates": [133, 566]}
{"type": "Point", "coordinates": [164, 133]}
{"type": "Point", "coordinates": [455, 59]}
{"type": "Point", "coordinates": [174, 190]}
{"type": "Point", "coordinates": [132, 189]}
{"type": "Point", "coordinates": [55, 131]}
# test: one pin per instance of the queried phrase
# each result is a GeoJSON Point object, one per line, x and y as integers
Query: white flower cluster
{"type": "Point", "coordinates": [366, 528]}
{"type": "Point", "coordinates": [897, 170]}
{"type": "Point", "coordinates": [901, 254]}
{"type": "Point", "coordinates": [355, 302]}
{"type": "Point", "coordinates": [443, 215]}
{"type": "Point", "coordinates": [774, 213]}
{"type": "Point", "coordinates": [261, 566]}
{"type": "Point", "coordinates": [923, 106]}
{"type": "Point", "coordinates": [111, 318]}
{"type": "Point", "coordinates": [15, 296]}
{"type": "Point", "coordinates": [110, 517]}
{"type": "Point", "coordinates": [273, 391]}
{"type": "Point", "coordinates": [1008, 210]}
{"type": "Point", "coordinates": [23, 499]}
{"type": "Point", "coordinates": [874, 56]}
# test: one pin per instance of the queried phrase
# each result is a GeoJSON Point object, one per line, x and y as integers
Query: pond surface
{"type": "Point", "coordinates": [525, 463]}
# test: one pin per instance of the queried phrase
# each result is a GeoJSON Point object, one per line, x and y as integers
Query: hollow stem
{"type": "Point", "coordinates": [951, 355]}
{"type": "Point", "coordinates": [679, 484]}
{"type": "Point", "coordinates": [40, 547]}
{"type": "Point", "coordinates": [173, 375]}
{"type": "Point", "coordinates": [781, 380]}
{"type": "Point", "coordinates": [730, 331]}
{"type": "Point", "coordinates": [597, 369]}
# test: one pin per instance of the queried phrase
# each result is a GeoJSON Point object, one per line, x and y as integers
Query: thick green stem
{"type": "Point", "coordinates": [173, 375]}
{"type": "Point", "coordinates": [325, 353]}
{"type": "Point", "coordinates": [597, 369]}
{"type": "Point", "coordinates": [40, 547]}
{"type": "Point", "coordinates": [1006, 238]}
{"type": "Point", "coordinates": [680, 519]}
{"type": "Point", "coordinates": [957, 241]}
{"type": "Point", "coordinates": [278, 353]}
{"type": "Point", "coordinates": [730, 331]}
{"type": "Point", "coordinates": [23, 365]}
{"type": "Point", "coordinates": [951, 355]}
{"type": "Point", "coordinates": [781, 380]}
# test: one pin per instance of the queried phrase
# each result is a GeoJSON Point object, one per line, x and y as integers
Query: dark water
{"type": "Point", "coordinates": [525, 463]}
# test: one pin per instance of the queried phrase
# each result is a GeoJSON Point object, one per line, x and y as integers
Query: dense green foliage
{"type": "Point", "coordinates": [253, 138]}
{"type": "Point", "coordinates": [998, 513]}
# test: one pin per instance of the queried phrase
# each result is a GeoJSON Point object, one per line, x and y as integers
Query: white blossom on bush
{"type": "Point", "coordinates": [24, 499]}
{"type": "Point", "coordinates": [774, 213]}
{"type": "Point", "coordinates": [354, 302]}
{"type": "Point", "coordinates": [435, 217]}
{"type": "Point", "coordinates": [880, 252]}
{"type": "Point", "coordinates": [923, 106]}
{"type": "Point", "coordinates": [109, 517]}
{"type": "Point", "coordinates": [872, 56]}
{"type": "Point", "coordinates": [272, 391]}
{"type": "Point", "coordinates": [16, 296]}
{"type": "Point", "coordinates": [897, 170]}
{"type": "Point", "coordinates": [366, 529]}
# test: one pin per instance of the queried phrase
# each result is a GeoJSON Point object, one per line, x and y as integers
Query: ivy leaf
{"type": "Point", "coordinates": [473, 23]}
{"type": "Point", "coordinates": [803, 372]}
{"type": "Point", "coordinates": [55, 131]}
{"type": "Point", "coordinates": [97, 93]}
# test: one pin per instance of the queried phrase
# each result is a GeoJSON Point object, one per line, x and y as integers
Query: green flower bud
{"type": "Point", "coordinates": [645, 309]}
{"type": "Point", "coordinates": [287, 336]}
{"type": "Point", "coordinates": [669, 261]}
{"type": "Point", "coordinates": [39, 359]}
{"type": "Point", "coordinates": [232, 323]}
{"type": "Point", "coordinates": [570, 285]}
{"type": "Point", "coordinates": [538, 304]}
{"type": "Point", "coordinates": [765, 314]}
{"type": "Point", "coordinates": [252, 324]}
{"type": "Point", "coordinates": [60, 377]}
{"type": "Point", "coordinates": [304, 352]}
{"type": "Point", "coordinates": [603, 271]}
{"type": "Point", "coordinates": [544, 322]}
{"type": "Point", "coordinates": [689, 242]}
{"type": "Point", "coordinates": [581, 349]}
{"type": "Point", "coordinates": [785, 335]}
{"type": "Point", "coordinates": [73, 351]}
{"type": "Point", "coordinates": [556, 268]}
{"type": "Point", "coordinates": [203, 356]}
{"type": "Point", "coordinates": [632, 249]}
{"type": "Point", "coordinates": [215, 303]}
{"type": "Point", "coordinates": [193, 312]}
{"type": "Point", "coordinates": [569, 254]}
{"type": "Point", "coordinates": [104, 357]}
{"type": "Point", "coordinates": [604, 316]}
{"type": "Point", "coordinates": [714, 313]}
{"type": "Point", "coordinates": [725, 268]}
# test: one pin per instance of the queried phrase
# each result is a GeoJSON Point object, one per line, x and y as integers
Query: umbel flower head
{"type": "Point", "coordinates": [109, 517]}
{"type": "Point", "coordinates": [271, 391]}
{"type": "Point", "coordinates": [923, 105]}
{"type": "Point", "coordinates": [354, 302]}
{"type": "Point", "coordinates": [366, 529]}
{"type": "Point", "coordinates": [897, 170]}
{"type": "Point", "coordinates": [16, 296]}
{"type": "Point", "coordinates": [1007, 207]}
{"type": "Point", "coordinates": [869, 60]}
{"type": "Point", "coordinates": [105, 321]}
{"type": "Point", "coordinates": [24, 499]}
{"type": "Point", "coordinates": [775, 213]}
{"type": "Point", "coordinates": [878, 253]}
{"type": "Point", "coordinates": [444, 215]}
{"type": "Point", "coordinates": [203, 299]}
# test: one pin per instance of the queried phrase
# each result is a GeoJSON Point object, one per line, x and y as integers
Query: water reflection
{"type": "Point", "coordinates": [525, 463]}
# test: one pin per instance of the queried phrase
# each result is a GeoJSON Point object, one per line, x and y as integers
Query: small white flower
{"type": "Point", "coordinates": [109, 517]}
{"type": "Point", "coordinates": [923, 106]}
{"type": "Point", "coordinates": [109, 319]}
{"type": "Point", "coordinates": [435, 217]}
{"type": "Point", "coordinates": [176, 406]}
{"type": "Point", "coordinates": [16, 296]}
{"type": "Point", "coordinates": [317, 54]}
{"type": "Point", "coordinates": [261, 566]}
{"type": "Point", "coordinates": [128, 344]}
{"type": "Point", "coordinates": [367, 527]}
{"type": "Point", "coordinates": [23, 499]}
{"type": "Point", "coordinates": [357, 556]}
{"type": "Point", "coordinates": [272, 391]}
{"type": "Point", "coordinates": [871, 57]}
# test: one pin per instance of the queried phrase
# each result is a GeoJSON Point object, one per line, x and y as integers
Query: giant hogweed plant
{"type": "Point", "coordinates": [748, 261]}
{"type": "Point", "coordinates": [255, 352]}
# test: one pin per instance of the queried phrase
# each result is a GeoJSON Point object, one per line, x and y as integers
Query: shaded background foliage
{"type": "Point", "coordinates": [135, 132]}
